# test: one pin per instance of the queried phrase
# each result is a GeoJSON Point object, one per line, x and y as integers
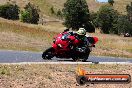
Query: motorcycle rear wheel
{"type": "Point", "coordinates": [48, 54]}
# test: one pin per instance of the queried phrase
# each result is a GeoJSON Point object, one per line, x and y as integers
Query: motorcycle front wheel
{"type": "Point", "coordinates": [85, 57]}
{"type": "Point", "coordinates": [48, 53]}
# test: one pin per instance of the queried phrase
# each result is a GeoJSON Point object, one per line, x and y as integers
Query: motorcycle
{"type": "Point", "coordinates": [66, 45]}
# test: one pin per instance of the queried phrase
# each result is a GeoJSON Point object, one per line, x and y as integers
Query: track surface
{"type": "Point", "coordinates": [23, 56]}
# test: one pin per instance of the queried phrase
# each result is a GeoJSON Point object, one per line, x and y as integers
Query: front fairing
{"type": "Point", "coordinates": [60, 42]}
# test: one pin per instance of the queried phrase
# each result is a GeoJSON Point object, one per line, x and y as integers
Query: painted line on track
{"type": "Point", "coordinates": [72, 63]}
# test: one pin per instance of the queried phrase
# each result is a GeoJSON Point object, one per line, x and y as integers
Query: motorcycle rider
{"type": "Point", "coordinates": [81, 36]}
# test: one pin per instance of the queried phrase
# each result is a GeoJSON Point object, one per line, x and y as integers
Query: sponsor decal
{"type": "Point", "coordinates": [83, 77]}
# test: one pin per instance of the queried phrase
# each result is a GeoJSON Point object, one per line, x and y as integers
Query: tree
{"type": "Point", "coordinates": [122, 25]}
{"type": "Point", "coordinates": [9, 11]}
{"type": "Point", "coordinates": [30, 14]}
{"type": "Point", "coordinates": [13, 12]}
{"type": "Point", "coordinates": [93, 18]}
{"type": "Point", "coordinates": [106, 16]}
{"type": "Point", "coordinates": [76, 14]}
{"type": "Point", "coordinates": [129, 12]}
{"type": "Point", "coordinates": [111, 2]}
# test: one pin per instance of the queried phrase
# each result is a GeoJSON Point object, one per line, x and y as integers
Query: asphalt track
{"type": "Point", "coordinates": [9, 56]}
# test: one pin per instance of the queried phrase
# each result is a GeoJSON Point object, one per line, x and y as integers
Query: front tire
{"type": "Point", "coordinates": [86, 56]}
{"type": "Point", "coordinates": [48, 54]}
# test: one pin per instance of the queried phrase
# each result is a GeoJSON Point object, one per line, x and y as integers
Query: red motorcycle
{"type": "Point", "coordinates": [66, 45]}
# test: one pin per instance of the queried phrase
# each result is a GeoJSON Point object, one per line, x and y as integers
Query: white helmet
{"type": "Point", "coordinates": [81, 31]}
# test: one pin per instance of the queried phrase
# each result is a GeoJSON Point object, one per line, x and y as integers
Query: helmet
{"type": "Point", "coordinates": [81, 31]}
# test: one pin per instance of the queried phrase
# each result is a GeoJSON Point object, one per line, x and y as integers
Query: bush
{"type": "Point", "coordinates": [52, 10]}
{"type": "Point", "coordinates": [9, 11]}
{"type": "Point", "coordinates": [25, 16]}
{"type": "Point", "coordinates": [123, 25]}
{"type": "Point", "coordinates": [30, 14]}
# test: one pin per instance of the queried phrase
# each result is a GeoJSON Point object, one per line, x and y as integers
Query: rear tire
{"type": "Point", "coordinates": [48, 54]}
